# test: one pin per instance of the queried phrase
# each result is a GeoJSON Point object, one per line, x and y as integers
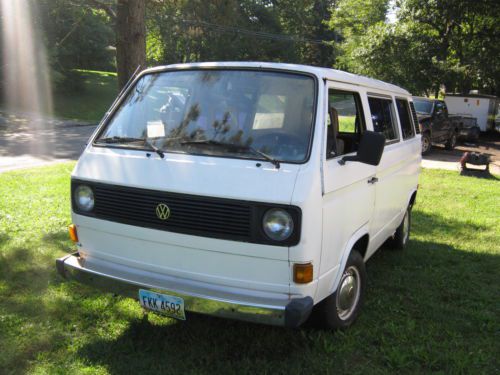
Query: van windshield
{"type": "Point", "coordinates": [231, 113]}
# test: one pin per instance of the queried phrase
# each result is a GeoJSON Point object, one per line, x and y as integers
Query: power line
{"type": "Point", "coordinates": [259, 34]}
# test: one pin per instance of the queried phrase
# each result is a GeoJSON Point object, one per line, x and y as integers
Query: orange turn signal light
{"type": "Point", "coordinates": [72, 233]}
{"type": "Point", "coordinates": [302, 273]}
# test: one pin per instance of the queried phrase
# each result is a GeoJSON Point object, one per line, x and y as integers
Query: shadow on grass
{"type": "Point", "coordinates": [25, 277]}
{"type": "Point", "coordinates": [60, 239]}
{"type": "Point", "coordinates": [482, 174]}
{"type": "Point", "coordinates": [427, 309]}
{"type": "Point", "coordinates": [438, 228]}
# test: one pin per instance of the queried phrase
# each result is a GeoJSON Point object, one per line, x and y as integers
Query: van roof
{"type": "Point", "coordinates": [322, 73]}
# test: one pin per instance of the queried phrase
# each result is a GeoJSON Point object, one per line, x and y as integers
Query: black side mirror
{"type": "Point", "coordinates": [370, 149]}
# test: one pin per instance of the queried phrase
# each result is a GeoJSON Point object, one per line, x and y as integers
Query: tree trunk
{"type": "Point", "coordinates": [130, 38]}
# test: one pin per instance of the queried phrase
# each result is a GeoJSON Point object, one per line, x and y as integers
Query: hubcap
{"type": "Point", "coordinates": [425, 144]}
{"type": "Point", "coordinates": [348, 293]}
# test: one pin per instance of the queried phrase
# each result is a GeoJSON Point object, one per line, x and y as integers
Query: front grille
{"type": "Point", "coordinates": [189, 214]}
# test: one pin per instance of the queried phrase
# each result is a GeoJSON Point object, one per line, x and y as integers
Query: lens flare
{"type": "Point", "coordinates": [25, 69]}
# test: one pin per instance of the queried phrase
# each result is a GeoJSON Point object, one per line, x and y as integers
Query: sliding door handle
{"type": "Point", "coordinates": [373, 180]}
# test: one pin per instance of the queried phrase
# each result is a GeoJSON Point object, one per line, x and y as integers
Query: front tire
{"type": "Point", "coordinates": [340, 310]}
{"type": "Point", "coordinates": [452, 141]}
{"type": "Point", "coordinates": [402, 234]}
{"type": "Point", "coordinates": [426, 144]}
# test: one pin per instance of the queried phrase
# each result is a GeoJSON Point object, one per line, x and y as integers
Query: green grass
{"type": "Point", "coordinates": [433, 308]}
{"type": "Point", "coordinates": [89, 103]}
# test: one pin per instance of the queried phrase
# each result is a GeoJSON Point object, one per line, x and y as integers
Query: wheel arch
{"type": "Point", "coordinates": [413, 198]}
{"type": "Point", "coordinates": [359, 241]}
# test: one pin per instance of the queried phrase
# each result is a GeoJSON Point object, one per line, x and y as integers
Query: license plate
{"type": "Point", "coordinates": [168, 305]}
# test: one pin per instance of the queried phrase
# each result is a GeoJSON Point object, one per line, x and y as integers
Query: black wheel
{"type": "Point", "coordinates": [341, 309]}
{"type": "Point", "coordinates": [452, 141]}
{"type": "Point", "coordinates": [402, 234]}
{"type": "Point", "coordinates": [426, 144]}
{"type": "Point", "coordinates": [475, 134]}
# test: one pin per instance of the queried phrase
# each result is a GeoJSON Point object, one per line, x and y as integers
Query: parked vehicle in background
{"type": "Point", "coordinates": [482, 107]}
{"type": "Point", "coordinates": [252, 191]}
{"type": "Point", "coordinates": [468, 129]}
{"type": "Point", "coordinates": [436, 125]}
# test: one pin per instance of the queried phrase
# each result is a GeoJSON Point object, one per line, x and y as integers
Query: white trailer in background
{"type": "Point", "coordinates": [483, 107]}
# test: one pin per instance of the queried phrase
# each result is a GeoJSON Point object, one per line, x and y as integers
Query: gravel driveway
{"type": "Point", "coordinates": [28, 141]}
{"type": "Point", "coordinates": [440, 158]}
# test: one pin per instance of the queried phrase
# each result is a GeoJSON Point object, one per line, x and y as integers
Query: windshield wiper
{"type": "Point", "coordinates": [118, 140]}
{"type": "Point", "coordinates": [212, 142]}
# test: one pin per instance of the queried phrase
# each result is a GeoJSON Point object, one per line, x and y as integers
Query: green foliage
{"type": "Point", "coordinates": [429, 309]}
{"type": "Point", "coordinates": [195, 30]}
{"type": "Point", "coordinates": [433, 43]}
{"type": "Point", "coordinates": [352, 18]}
{"type": "Point", "coordinates": [93, 98]}
{"type": "Point", "coordinates": [77, 37]}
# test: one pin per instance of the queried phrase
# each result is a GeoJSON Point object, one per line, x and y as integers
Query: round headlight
{"type": "Point", "coordinates": [84, 198]}
{"type": "Point", "coordinates": [278, 224]}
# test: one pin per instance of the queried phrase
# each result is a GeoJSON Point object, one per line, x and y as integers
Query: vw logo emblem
{"type": "Point", "coordinates": [162, 211]}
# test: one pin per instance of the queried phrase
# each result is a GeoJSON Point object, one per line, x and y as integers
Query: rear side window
{"type": "Point", "coordinates": [414, 117]}
{"type": "Point", "coordinates": [404, 118]}
{"type": "Point", "coordinates": [383, 118]}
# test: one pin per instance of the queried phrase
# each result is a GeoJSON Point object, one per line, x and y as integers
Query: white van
{"type": "Point", "coordinates": [253, 191]}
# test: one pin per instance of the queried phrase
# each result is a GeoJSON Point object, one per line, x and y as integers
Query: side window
{"type": "Point", "coordinates": [404, 118]}
{"type": "Point", "coordinates": [382, 118]}
{"type": "Point", "coordinates": [414, 117]}
{"type": "Point", "coordinates": [440, 109]}
{"type": "Point", "coordinates": [345, 123]}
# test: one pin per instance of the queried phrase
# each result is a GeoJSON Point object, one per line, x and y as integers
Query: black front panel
{"type": "Point", "coordinates": [189, 214]}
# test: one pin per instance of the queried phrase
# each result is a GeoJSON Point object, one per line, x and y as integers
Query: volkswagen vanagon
{"type": "Point", "coordinates": [253, 191]}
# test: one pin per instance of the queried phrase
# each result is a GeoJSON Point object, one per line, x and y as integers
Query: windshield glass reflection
{"type": "Point", "coordinates": [217, 112]}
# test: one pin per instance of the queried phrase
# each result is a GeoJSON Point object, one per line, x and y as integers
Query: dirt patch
{"type": "Point", "coordinates": [444, 159]}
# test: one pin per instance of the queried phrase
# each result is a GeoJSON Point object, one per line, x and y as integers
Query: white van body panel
{"type": "Point", "coordinates": [189, 174]}
{"type": "Point", "coordinates": [338, 205]}
{"type": "Point", "coordinates": [307, 196]}
{"type": "Point", "coordinates": [396, 177]}
{"type": "Point", "coordinates": [212, 261]}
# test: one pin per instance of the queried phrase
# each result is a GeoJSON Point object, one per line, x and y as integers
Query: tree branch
{"type": "Point", "coordinates": [106, 7]}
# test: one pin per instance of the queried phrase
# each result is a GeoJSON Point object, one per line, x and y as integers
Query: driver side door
{"type": "Point", "coordinates": [440, 125]}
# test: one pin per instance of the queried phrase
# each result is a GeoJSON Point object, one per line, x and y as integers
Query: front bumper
{"type": "Point", "coordinates": [124, 281]}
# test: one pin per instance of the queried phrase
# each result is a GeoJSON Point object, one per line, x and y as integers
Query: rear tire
{"type": "Point", "coordinates": [340, 310]}
{"type": "Point", "coordinates": [426, 144]}
{"type": "Point", "coordinates": [402, 234]}
{"type": "Point", "coordinates": [452, 141]}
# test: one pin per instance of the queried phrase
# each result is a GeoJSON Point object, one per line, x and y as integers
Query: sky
{"type": "Point", "coordinates": [391, 14]}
